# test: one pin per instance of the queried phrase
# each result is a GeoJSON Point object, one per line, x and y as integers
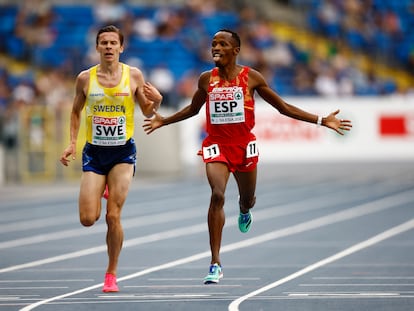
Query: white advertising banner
{"type": "Point", "coordinates": [383, 129]}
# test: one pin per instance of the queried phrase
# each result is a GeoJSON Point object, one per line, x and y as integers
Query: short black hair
{"type": "Point", "coordinates": [110, 28]}
{"type": "Point", "coordinates": [234, 35]}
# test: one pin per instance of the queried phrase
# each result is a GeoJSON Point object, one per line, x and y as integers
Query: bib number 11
{"type": "Point", "coordinates": [251, 150]}
{"type": "Point", "coordinates": [211, 151]}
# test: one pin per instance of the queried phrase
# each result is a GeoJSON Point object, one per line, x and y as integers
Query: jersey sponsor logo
{"type": "Point", "coordinates": [121, 94]}
{"type": "Point", "coordinates": [226, 96]}
{"type": "Point", "coordinates": [226, 89]}
{"type": "Point", "coordinates": [105, 121]}
{"type": "Point", "coordinates": [248, 164]}
{"type": "Point", "coordinates": [96, 94]}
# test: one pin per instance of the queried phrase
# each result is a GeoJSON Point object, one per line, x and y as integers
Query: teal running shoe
{"type": "Point", "coordinates": [245, 220]}
{"type": "Point", "coordinates": [214, 275]}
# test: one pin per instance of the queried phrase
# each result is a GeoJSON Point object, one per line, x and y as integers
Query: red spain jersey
{"type": "Point", "coordinates": [229, 108]}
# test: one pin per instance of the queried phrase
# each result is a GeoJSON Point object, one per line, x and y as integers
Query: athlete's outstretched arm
{"type": "Point", "coordinates": [188, 111]}
{"type": "Point", "coordinates": [257, 82]}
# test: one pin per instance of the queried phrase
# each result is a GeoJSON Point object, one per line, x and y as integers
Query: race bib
{"type": "Point", "coordinates": [251, 150]}
{"type": "Point", "coordinates": [211, 151]}
{"type": "Point", "coordinates": [108, 131]}
{"type": "Point", "coordinates": [226, 105]}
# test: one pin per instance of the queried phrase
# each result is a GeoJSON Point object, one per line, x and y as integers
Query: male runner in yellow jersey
{"type": "Point", "coordinates": [108, 92]}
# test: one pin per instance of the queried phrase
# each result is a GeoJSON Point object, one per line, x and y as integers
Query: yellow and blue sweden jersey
{"type": "Point", "coordinates": [109, 111]}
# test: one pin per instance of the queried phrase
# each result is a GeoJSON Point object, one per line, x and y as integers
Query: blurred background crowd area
{"type": "Point", "coordinates": [323, 48]}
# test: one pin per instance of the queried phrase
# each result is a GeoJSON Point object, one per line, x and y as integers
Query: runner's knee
{"type": "Point", "coordinates": [87, 221]}
{"type": "Point", "coordinates": [113, 218]}
{"type": "Point", "coordinates": [217, 198]}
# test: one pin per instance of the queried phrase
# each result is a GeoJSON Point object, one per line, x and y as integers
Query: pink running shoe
{"type": "Point", "coordinates": [106, 192]}
{"type": "Point", "coordinates": [110, 283]}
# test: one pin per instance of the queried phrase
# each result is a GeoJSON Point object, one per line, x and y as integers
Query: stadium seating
{"type": "Point", "coordinates": [73, 23]}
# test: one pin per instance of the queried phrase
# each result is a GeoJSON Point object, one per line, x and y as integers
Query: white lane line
{"type": "Point", "coordinates": [35, 287]}
{"type": "Point", "coordinates": [355, 284]}
{"type": "Point", "coordinates": [131, 276]}
{"type": "Point", "coordinates": [357, 211]}
{"type": "Point", "coordinates": [152, 219]}
{"type": "Point", "coordinates": [155, 296]}
{"type": "Point", "coordinates": [354, 212]}
{"type": "Point", "coordinates": [307, 204]}
{"type": "Point", "coordinates": [46, 281]}
{"type": "Point", "coordinates": [35, 224]}
{"type": "Point", "coordinates": [102, 248]}
{"type": "Point", "coordinates": [196, 279]}
{"type": "Point", "coordinates": [99, 228]}
{"type": "Point", "coordinates": [363, 278]}
{"type": "Point", "coordinates": [287, 209]}
{"type": "Point", "coordinates": [169, 286]}
{"type": "Point", "coordinates": [364, 294]}
{"type": "Point", "coordinates": [9, 298]}
{"type": "Point", "coordinates": [409, 225]}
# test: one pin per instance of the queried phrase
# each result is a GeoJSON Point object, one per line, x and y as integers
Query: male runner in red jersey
{"type": "Point", "coordinates": [230, 146]}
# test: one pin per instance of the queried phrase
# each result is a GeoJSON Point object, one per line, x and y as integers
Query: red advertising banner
{"type": "Point", "coordinates": [401, 126]}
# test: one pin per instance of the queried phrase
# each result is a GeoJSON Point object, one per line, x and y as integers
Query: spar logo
{"type": "Point", "coordinates": [396, 126]}
{"type": "Point", "coordinates": [105, 121]}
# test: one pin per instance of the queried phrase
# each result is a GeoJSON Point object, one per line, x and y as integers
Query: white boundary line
{"type": "Point", "coordinates": [234, 306]}
{"type": "Point", "coordinates": [363, 209]}
{"type": "Point", "coordinates": [350, 213]}
{"type": "Point", "coordinates": [169, 234]}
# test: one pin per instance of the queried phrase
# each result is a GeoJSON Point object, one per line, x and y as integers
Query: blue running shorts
{"type": "Point", "coordinates": [101, 159]}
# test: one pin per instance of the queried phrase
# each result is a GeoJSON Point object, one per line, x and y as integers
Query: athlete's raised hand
{"type": "Point", "coordinates": [338, 125]}
{"type": "Point", "coordinates": [151, 124]}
